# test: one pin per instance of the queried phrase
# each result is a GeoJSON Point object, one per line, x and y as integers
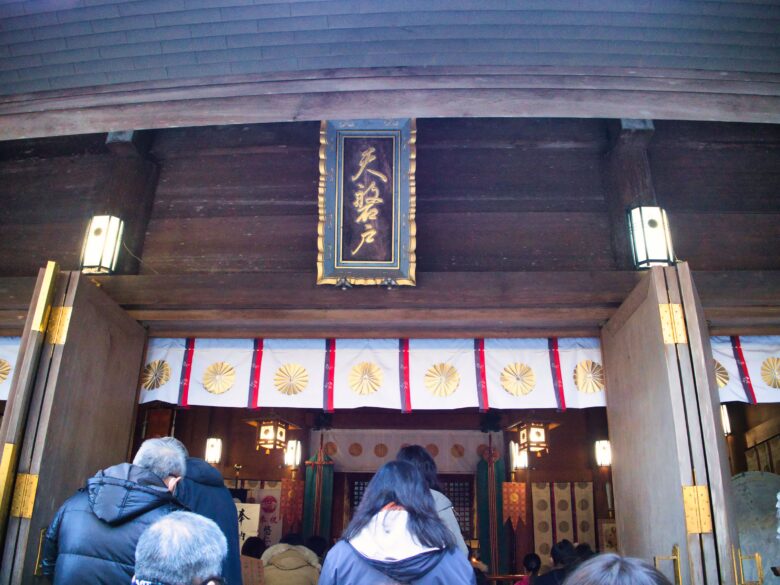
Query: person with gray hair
{"type": "Point", "coordinates": [612, 569]}
{"type": "Point", "coordinates": [182, 548]}
{"type": "Point", "coordinates": [93, 536]}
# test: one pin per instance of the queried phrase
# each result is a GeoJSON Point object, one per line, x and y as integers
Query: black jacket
{"type": "Point", "coordinates": [203, 491]}
{"type": "Point", "coordinates": [92, 538]}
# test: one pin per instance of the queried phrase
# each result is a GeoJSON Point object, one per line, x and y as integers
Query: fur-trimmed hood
{"type": "Point", "coordinates": [288, 557]}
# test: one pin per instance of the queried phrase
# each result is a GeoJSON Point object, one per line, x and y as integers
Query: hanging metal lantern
{"type": "Point", "coordinates": [532, 437]}
{"type": "Point", "coordinates": [651, 240]}
{"type": "Point", "coordinates": [102, 243]}
{"type": "Point", "coordinates": [271, 434]}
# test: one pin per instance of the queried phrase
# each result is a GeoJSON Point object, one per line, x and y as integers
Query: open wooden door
{"type": "Point", "coordinates": [71, 409]}
{"type": "Point", "coordinates": [670, 469]}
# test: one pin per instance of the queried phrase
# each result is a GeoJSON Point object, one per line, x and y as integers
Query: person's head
{"type": "Point", "coordinates": [563, 553]}
{"type": "Point", "coordinates": [182, 548]}
{"type": "Point", "coordinates": [317, 544]}
{"type": "Point", "coordinates": [583, 550]}
{"type": "Point", "coordinates": [400, 483]}
{"type": "Point", "coordinates": [165, 457]}
{"type": "Point", "coordinates": [293, 538]}
{"type": "Point", "coordinates": [422, 460]}
{"type": "Point", "coordinates": [612, 569]}
{"type": "Point", "coordinates": [532, 563]}
{"type": "Point", "coordinates": [253, 547]}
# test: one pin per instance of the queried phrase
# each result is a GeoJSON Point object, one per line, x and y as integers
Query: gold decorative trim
{"type": "Point", "coordinates": [5, 370]}
{"type": "Point", "coordinates": [589, 377]}
{"type": "Point", "coordinates": [291, 379]}
{"type": "Point", "coordinates": [442, 380]}
{"type": "Point", "coordinates": [365, 378]}
{"type": "Point", "coordinates": [412, 280]}
{"type": "Point", "coordinates": [219, 377]}
{"type": "Point", "coordinates": [770, 372]}
{"type": "Point", "coordinates": [518, 379]}
{"type": "Point", "coordinates": [721, 374]}
{"type": "Point", "coordinates": [321, 188]}
{"type": "Point", "coordinates": [155, 374]}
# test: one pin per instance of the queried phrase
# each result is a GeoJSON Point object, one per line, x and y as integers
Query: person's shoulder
{"type": "Point", "coordinates": [441, 501]}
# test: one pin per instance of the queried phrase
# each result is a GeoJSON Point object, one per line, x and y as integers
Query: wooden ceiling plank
{"type": "Point", "coordinates": [596, 96]}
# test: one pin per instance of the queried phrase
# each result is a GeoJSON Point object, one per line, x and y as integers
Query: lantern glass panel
{"type": "Point", "coordinates": [292, 453]}
{"type": "Point", "coordinates": [603, 453]}
{"type": "Point", "coordinates": [213, 450]}
{"type": "Point", "coordinates": [724, 417]}
{"type": "Point", "coordinates": [651, 240]}
{"type": "Point", "coordinates": [102, 243]}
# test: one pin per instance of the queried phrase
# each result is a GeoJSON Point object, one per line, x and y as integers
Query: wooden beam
{"type": "Point", "coordinates": [129, 190]}
{"type": "Point", "coordinates": [129, 143]}
{"type": "Point", "coordinates": [397, 92]}
{"type": "Point", "coordinates": [629, 181]}
{"type": "Point", "coordinates": [526, 304]}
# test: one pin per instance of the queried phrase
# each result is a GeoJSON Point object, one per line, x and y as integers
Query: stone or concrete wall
{"type": "Point", "coordinates": [755, 494]}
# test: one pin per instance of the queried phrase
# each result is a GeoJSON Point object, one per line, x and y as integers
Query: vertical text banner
{"type": "Point", "coordinates": [366, 231]}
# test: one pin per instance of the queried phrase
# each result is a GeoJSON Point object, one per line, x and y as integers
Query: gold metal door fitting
{"type": "Point", "coordinates": [24, 495]}
{"type": "Point", "coordinates": [673, 323]}
{"type": "Point", "coordinates": [739, 568]}
{"type": "Point", "coordinates": [43, 304]}
{"type": "Point", "coordinates": [39, 559]}
{"type": "Point", "coordinates": [698, 516]}
{"type": "Point", "coordinates": [675, 558]}
{"type": "Point", "coordinates": [57, 332]}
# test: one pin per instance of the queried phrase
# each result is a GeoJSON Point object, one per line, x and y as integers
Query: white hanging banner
{"type": "Point", "coordinates": [762, 357]}
{"type": "Point", "coordinates": [727, 373]}
{"type": "Point", "coordinates": [161, 375]}
{"type": "Point", "coordinates": [366, 450]}
{"type": "Point", "coordinates": [366, 373]}
{"type": "Point", "coordinates": [518, 374]}
{"type": "Point", "coordinates": [424, 374]}
{"type": "Point", "coordinates": [747, 369]}
{"type": "Point", "coordinates": [270, 499]}
{"type": "Point", "coordinates": [9, 349]}
{"type": "Point", "coordinates": [582, 372]}
{"type": "Point", "coordinates": [442, 374]}
{"type": "Point", "coordinates": [291, 373]}
{"type": "Point", "coordinates": [221, 372]}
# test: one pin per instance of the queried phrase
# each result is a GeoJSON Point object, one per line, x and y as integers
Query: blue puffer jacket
{"type": "Point", "coordinates": [203, 491]}
{"type": "Point", "coordinates": [92, 538]}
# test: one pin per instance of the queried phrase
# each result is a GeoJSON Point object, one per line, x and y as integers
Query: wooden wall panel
{"type": "Point", "coordinates": [727, 241]}
{"type": "Point", "coordinates": [513, 241]}
{"type": "Point", "coordinates": [46, 204]}
{"type": "Point", "coordinates": [492, 196]}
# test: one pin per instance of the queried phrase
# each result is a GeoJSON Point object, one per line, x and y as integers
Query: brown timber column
{"type": "Point", "coordinates": [628, 181]}
{"type": "Point", "coordinates": [129, 190]}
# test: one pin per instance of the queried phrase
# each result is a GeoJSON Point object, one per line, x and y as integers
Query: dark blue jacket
{"type": "Point", "coordinates": [203, 491]}
{"type": "Point", "coordinates": [346, 566]}
{"type": "Point", "coordinates": [92, 538]}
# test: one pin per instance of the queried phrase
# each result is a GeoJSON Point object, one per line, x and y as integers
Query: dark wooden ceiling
{"type": "Point", "coordinates": [515, 233]}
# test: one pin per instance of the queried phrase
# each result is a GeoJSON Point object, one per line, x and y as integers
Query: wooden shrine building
{"type": "Point", "coordinates": [531, 130]}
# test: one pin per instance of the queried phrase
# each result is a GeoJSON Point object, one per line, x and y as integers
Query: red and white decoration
{"type": "Point", "coordinates": [747, 369]}
{"type": "Point", "coordinates": [163, 370]}
{"type": "Point", "coordinates": [409, 374]}
{"type": "Point", "coordinates": [365, 450]}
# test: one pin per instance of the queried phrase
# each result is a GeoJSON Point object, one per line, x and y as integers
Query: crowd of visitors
{"type": "Point", "coordinates": [167, 519]}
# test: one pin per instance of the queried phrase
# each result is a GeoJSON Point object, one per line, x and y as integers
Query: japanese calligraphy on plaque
{"type": "Point", "coordinates": [366, 231]}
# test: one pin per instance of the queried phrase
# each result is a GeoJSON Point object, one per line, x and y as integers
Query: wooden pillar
{"type": "Point", "coordinates": [129, 190]}
{"type": "Point", "coordinates": [628, 181]}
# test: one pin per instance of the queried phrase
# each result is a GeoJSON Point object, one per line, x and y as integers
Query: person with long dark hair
{"type": "Point", "coordinates": [422, 460]}
{"type": "Point", "coordinates": [396, 536]}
